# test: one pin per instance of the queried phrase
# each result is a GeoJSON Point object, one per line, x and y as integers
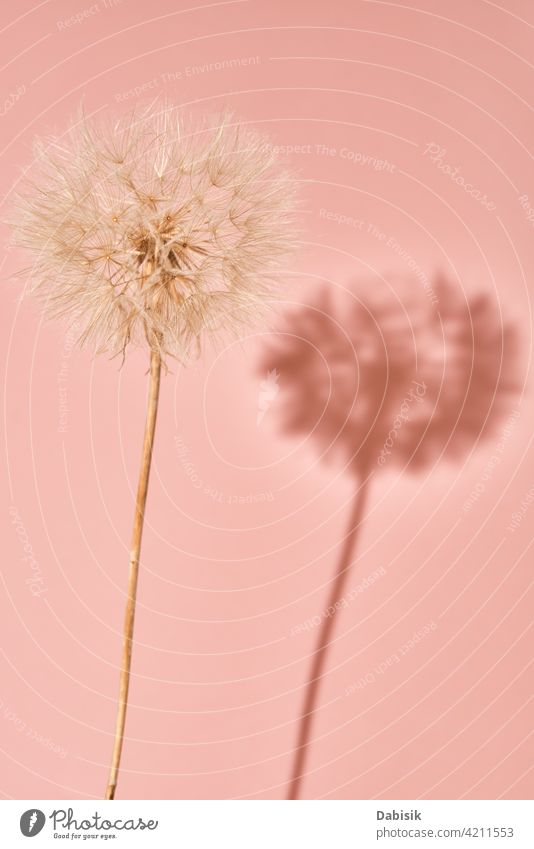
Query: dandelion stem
{"type": "Point", "coordinates": [323, 641]}
{"type": "Point", "coordinates": [142, 489]}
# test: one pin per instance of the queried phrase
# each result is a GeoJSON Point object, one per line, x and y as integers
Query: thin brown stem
{"type": "Point", "coordinates": [142, 489]}
{"type": "Point", "coordinates": [323, 642]}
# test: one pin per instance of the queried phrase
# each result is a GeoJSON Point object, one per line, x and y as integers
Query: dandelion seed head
{"type": "Point", "coordinates": [150, 230]}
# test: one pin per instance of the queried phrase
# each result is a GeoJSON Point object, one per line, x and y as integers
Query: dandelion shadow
{"type": "Point", "coordinates": [380, 374]}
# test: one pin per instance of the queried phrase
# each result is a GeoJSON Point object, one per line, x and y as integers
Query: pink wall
{"type": "Point", "coordinates": [218, 668]}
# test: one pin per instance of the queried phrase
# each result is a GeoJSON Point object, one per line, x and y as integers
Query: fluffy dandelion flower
{"type": "Point", "coordinates": [150, 229]}
{"type": "Point", "coordinates": [147, 230]}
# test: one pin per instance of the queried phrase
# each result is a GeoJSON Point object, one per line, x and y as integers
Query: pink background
{"type": "Point", "coordinates": [218, 674]}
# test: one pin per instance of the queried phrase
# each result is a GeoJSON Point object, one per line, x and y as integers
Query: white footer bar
{"type": "Point", "coordinates": [357, 824]}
